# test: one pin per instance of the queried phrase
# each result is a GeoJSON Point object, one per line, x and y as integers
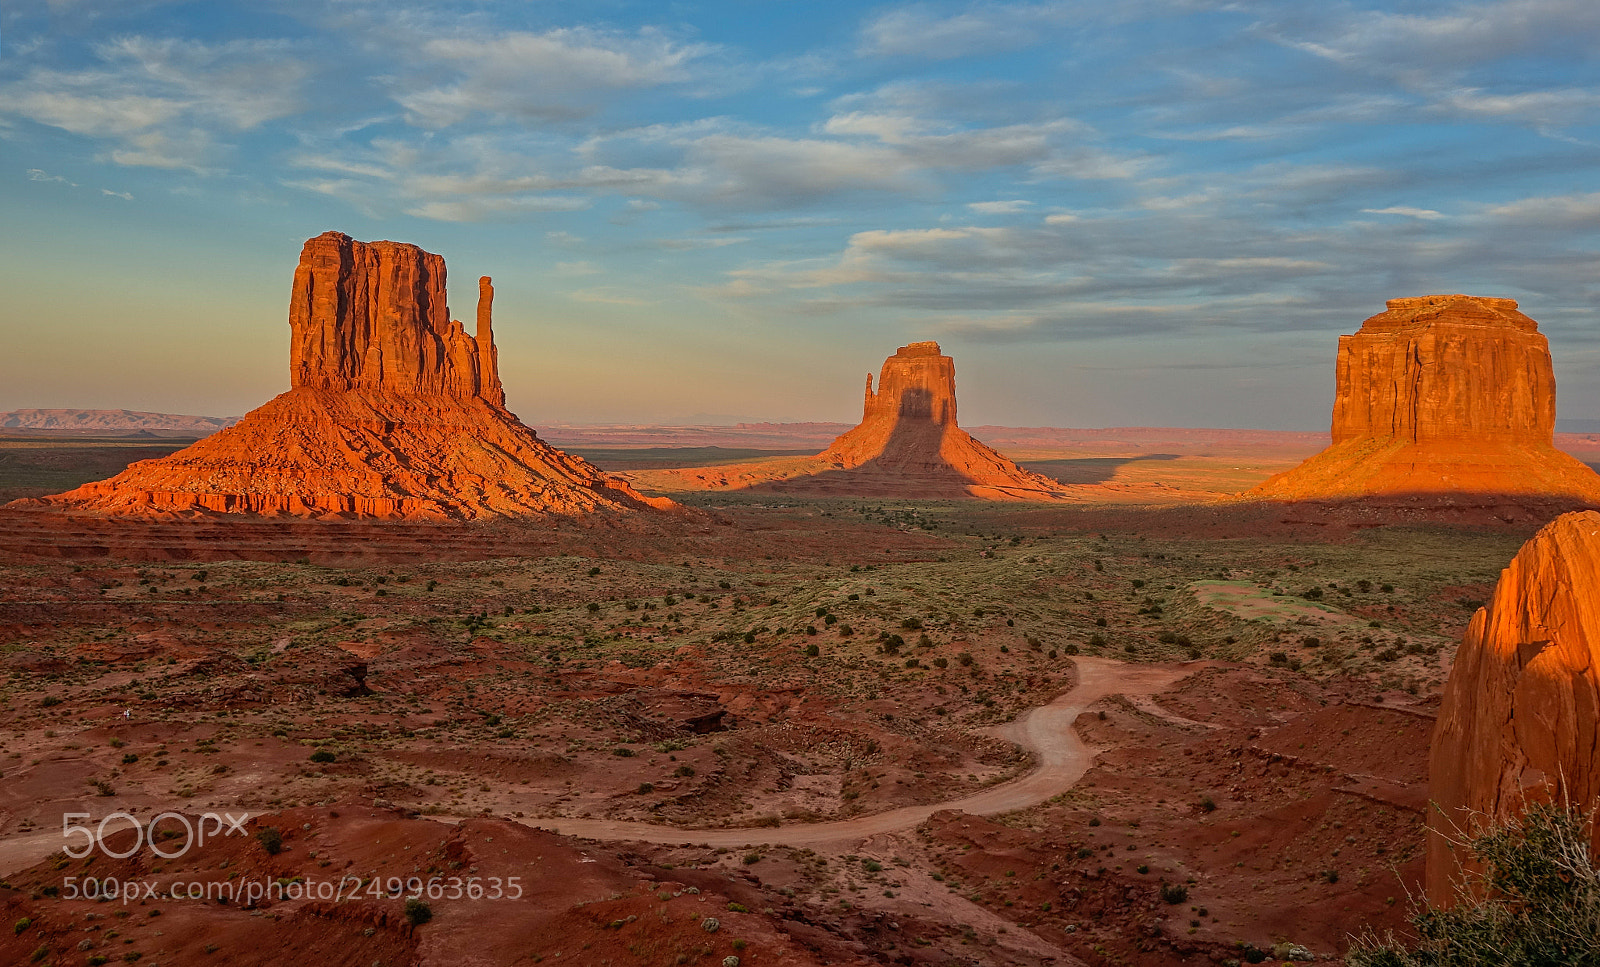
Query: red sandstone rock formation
{"type": "Point", "coordinates": [1441, 395]}
{"type": "Point", "coordinates": [373, 316]}
{"type": "Point", "coordinates": [907, 445]}
{"type": "Point", "coordinates": [1521, 713]}
{"type": "Point", "coordinates": [395, 412]}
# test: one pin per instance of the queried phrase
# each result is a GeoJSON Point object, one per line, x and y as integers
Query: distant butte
{"type": "Point", "coordinates": [1441, 398]}
{"type": "Point", "coordinates": [395, 412]}
{"type": "Point", "coordinates": [907, 445]}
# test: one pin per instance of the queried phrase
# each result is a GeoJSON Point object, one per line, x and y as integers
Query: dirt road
{"type": "Point", "coordinates": [1046, 731]}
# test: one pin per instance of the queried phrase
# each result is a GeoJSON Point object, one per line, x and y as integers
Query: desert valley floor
{"type": "Point", "coordinates": [795, 731]}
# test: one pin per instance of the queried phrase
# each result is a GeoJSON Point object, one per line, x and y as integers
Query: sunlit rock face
{"type": "Point", "coordinates": [1520, 720]}
{"type": "Point", "coordinates": [908, 432]}
{"type": "Point", "coordinates": [394, 412]}
{"type": "Point", "coordinates": [1441, 395]}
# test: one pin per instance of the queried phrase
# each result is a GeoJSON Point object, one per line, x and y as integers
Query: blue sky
{"type": "Point", "coordinates": [1156, 212]}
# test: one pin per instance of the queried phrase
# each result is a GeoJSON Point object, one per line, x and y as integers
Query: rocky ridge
{"type": "Point", "coordinates": [1520, 720]}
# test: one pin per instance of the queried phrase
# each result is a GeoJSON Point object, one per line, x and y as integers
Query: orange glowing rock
{"type": "Point", "coordinates": [907, 445]}
{"type": "Point", "coordinates": [1520, 719]}
{"type": "Point", "coordinates": [1440, 395]}
{"type": "Point", "coordinates": [394, 412]}
{"type": "Point", "coordinates": [908, 431]}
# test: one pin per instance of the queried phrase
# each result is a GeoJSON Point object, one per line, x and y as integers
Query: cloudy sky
{"type": "Point", "coordinates": [1152, 212]}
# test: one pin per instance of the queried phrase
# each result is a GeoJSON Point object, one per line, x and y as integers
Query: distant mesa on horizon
{"type": "Point", "coordinates": [907, 445]}
{"type": "Point", "coordinates": [1442, 400]}
{"type": "Point", "coordinates": [86, 422]}
{"type": "Point", "coordinates": [394, 412]}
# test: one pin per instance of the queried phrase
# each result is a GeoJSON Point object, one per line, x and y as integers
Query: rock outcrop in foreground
{"type": "Point", "coordinates": [1521, 714]}
{"type": "Point", "coordinates": [1436, 396]}
{"type": "Point", "coordinates": [907, 445]}
{"type": "Point", "coordinates": [394, 412]}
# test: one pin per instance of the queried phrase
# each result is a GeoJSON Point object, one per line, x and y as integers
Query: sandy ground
{"type": "Point", "coordinates": [1045, 731]}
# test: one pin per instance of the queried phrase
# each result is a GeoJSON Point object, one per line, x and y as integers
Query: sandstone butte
{"type": "Point", "coordinates": [394, 412]}
{"type": "Point", "coordinates": [1441, 395]}
{"type": "Point", "coordinates": [1520, 720]}
{"type": "Point", "coordinates": [907, 445]}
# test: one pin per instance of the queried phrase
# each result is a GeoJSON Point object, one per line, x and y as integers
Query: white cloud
{"type": "Point", "coordinates": [1550, 210]}
{"type": "Point", "coordinates": [160, 102]}
{"type": "Point", "coordinates": [922, 31]}
{"type": "Point", "coordinates": [768, 170]}
{"type": "Point", "coordinates": [1463, 36]}
{"type": "Point", "coordinates": [124, 195]}
{"type": "Point", "coordinates": [1550, 107]}
{"type": "Point", "coordinates": [36, 174]}
{"type": "Point", "coordinates": [1461, 60]}
{"type": "Point", "coordinates": [1427, 214]}
{"type": "Point", "coordinates": [999, 207]}
{"type": "Point", "coordinates": [539, 76]}
{"type": "Point", "coordinates": [483, 209]}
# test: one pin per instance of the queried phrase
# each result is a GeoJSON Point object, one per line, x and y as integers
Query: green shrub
{"type": "Point", "coordinates": [417, 912]}
{"type": "Point", "coordinates": [1174, 893]}
{"type": "Point", "coordinates": [271, 840]}
{"type": "Point", "coordinates": [323, 755]}
{"type": "Point", "coordinates": [1536, 901]}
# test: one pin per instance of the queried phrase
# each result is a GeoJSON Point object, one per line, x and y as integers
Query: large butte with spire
{"type": "Point", "coordinates": [393, 411]}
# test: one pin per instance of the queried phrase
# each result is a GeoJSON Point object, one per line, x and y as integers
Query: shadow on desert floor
{"type": "Point", "coordinates": [1089, 470]}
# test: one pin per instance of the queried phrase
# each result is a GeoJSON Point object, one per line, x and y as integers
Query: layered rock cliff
{"type": "Point", "coordinates": [374, 316]}
{"type": "Point", "coordinates": [1520, 719]}
{"type": "Point", "coordinates": [1441, 395]}
{"type": "Point", "coordinates": [394, 412]}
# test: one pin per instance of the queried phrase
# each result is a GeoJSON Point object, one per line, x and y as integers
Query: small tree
{"type": "Point", "coordinates": [1536, 901]}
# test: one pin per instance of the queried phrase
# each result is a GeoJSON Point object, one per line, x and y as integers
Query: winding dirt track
{"type": "Point", "coordinates": [1046, 731]}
